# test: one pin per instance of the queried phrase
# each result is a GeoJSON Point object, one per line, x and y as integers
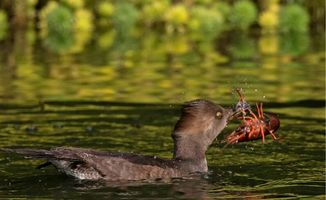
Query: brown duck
{"type": "Point", "coordinates": [201, 121]}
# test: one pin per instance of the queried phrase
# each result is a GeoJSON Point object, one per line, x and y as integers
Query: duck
{"type": "Point", "coordinates": [200, 122]}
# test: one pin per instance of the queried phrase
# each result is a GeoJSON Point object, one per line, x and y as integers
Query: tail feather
{"type": "Point", "coordinates": [60, 154]}
{"type": "Point", "coordinates": [44, 165]}
{"type": "Point", "coordinates": [31, 153]}
{"type": "Point", "coordinates": [69, 160]}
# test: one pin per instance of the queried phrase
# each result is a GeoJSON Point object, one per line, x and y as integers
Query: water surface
{"type": "Point", "coordinates": [91, 102]}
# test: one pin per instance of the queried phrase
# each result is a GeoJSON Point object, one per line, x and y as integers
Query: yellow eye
{"type": "Point", "coordinates": [219, 115]}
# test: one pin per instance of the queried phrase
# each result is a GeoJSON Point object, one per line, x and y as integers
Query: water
{"type": "Point", "coordinates": [87, 101]}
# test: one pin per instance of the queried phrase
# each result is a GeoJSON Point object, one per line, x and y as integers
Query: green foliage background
{"type": "Point", "coordinates": [66, 26]}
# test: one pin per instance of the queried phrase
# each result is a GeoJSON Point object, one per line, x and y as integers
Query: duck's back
{"type": "Point", "coordinates": [91, 164]}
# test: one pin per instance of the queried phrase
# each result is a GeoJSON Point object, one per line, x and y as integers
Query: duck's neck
{"type": "Point", "coordinates": [190, 151]}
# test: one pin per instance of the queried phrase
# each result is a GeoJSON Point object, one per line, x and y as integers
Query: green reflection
{"type": "Point", "coordinates": [294, 18]}
{"type": "Point", "coordinates": [206, 24]}
{"type": "Point", "coordinates": [102, 60]}
{"type": "Point", "coordinates": [59, 28]}
{"type": "Point", "coordinates": [3, 25]}
{"type": "Point", "coordinates": [243, 14]}
{"type": "Point", "coordinates": [124, 18]}
{"type": "Point", "coordinates": [243, 47]}
{"type": "Point", "coordinates": [294, 44]}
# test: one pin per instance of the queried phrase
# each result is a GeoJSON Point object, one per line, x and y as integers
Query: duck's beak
{"type": "Point", "coordinates": [235, 114]}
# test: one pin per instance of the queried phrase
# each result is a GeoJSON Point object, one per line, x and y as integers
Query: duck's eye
{"type": "Point", "coordinates": [219, 115]}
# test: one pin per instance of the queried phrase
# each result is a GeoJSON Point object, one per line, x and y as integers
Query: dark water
{"type": "Point", "coordinates": [48, 101]}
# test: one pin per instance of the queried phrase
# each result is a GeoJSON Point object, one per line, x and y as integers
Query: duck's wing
{"type": "Point", "coordinates": [128, 166]}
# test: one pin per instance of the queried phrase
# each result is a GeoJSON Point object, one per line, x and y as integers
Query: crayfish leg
{"type": "Point", "coordinates": [258, 110]}
{"type": "Point", "coordinates": [240, 95]}
{"type": "Point", "coordinates": [234, 137]}
{"type": "Point", "coordinates": [261, 110]}
{"type": "Point", "coordinates": [250, 134]}
{"type": "Point", "coordinates": [262, 134]}
{"type": "Point", "coordinates": [233, 140]}
{"type": "Point", "coordinates": [253, 114]}
{"type": "Point", "coordinates": [273, 135]}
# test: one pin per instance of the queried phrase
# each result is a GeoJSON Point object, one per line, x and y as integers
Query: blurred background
{"type": "Point", "coordinates": [110, 74]}
{"type": "Point", "coordinates": [154, 51]}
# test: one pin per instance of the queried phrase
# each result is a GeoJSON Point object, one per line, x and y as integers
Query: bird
{"type": "Point", "coordinates": [200, 122]}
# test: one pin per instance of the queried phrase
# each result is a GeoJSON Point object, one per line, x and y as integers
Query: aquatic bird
{"type": "Point", "coordinates": [201, 121]}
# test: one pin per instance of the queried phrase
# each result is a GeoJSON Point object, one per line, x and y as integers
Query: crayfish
{"type": "Point", "coordinates": [253, 126]}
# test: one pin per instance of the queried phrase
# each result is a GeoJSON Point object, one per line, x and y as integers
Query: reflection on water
{"type": "Point", "coordinates": [154, 82]}
{"type": "Point", "coordinates": [128, 100]}
{"type": "Point", "coordinates": [290, 168]}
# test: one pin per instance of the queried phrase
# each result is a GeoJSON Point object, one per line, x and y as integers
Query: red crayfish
{"type": "Point", "coordinates": [253, 126]}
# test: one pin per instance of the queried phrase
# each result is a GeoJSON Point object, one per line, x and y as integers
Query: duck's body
{"type": "Point", "coordinates": [200, 122]}
{"type": "Point", "coordinates": [92, 165]}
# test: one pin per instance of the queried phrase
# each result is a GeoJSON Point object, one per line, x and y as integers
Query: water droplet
{"type": "Point", "coordinates": [31, 129]}
{"type": "Point", "coordinates": [89, 129]}
{"type": "Point", "coordinates": [57, 126]}
{"type": "Point", "coordinates": [16, 126]}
